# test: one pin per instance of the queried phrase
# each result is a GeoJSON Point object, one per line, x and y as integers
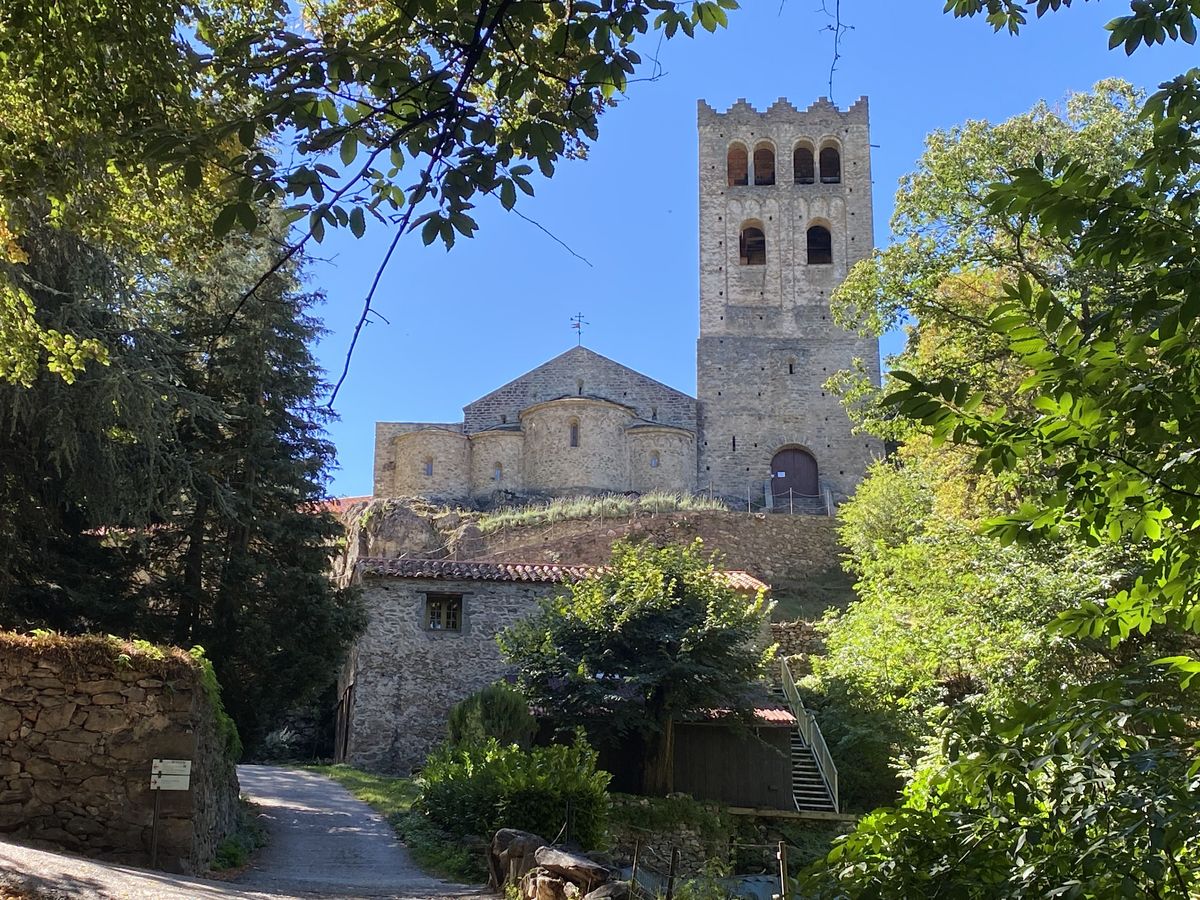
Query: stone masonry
{"type": "Point", "coordinates": [767, 340]}
{"type": "Point", "coordinates": [80, 721]}
{"type": "Point", "coordinates": [403, 677]}
{"type": "Point", "coordinates": [785, 211]}
{"type": "Point", "coordinates": [580, 423]}
{"type": "Point", "coordinates": [406, 678]}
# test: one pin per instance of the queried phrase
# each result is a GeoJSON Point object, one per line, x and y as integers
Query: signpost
{"type": "Point", "coordinates": [166, 775]}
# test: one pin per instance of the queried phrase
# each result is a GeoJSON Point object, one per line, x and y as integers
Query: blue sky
{"type": "Point", "coordinates": [464, 322]}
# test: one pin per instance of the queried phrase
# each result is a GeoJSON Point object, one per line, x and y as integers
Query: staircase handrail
{"type": "Point", "coordinates": [810, 731]}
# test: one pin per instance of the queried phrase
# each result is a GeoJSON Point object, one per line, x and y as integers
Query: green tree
{"type": "Point", "coordinates": [1087, 790]}
{"type": "Point", "coordinates": [245, 551]}
{"type": "Point", "coordinates": [652, 637]}
{"type": "Point", "coordinates": [497, 711]}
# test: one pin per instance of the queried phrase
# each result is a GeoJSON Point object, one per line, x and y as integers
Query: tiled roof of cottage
{"type": "Point", "coordinates": [455, 570]}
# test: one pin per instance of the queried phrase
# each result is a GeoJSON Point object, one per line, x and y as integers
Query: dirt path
{"type": "Point", "coordinates": [326, 842]}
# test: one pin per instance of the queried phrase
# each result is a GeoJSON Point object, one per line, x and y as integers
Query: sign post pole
{"type": "Point", "coordinates": [154, 832]}
{"type": "Point", "coordinates": [165, 775]}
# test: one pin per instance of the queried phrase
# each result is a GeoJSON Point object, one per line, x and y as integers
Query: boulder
{"type": "Point", "coordinates": [614, 890]}
{"type": "Point", "coordinates": [540, 884]}
{"type": "Point", "coordinates": [573, 867]}
{"type": "Point", "coordinates": [511, 855]}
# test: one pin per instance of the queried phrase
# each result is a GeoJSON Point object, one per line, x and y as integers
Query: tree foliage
{"type": "Point", "coordinates": [497, 711]}
{"type": "Point", "coordinates": [656, 635]}
{"type": "Point", "coordinates": [1084, 791]}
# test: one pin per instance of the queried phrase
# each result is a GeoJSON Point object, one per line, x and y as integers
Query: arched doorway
{"type": "Point", "coordinates": [794, 470]}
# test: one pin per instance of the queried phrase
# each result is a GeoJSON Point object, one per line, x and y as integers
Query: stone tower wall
{"type": "Point", "coordinates": [767, 340]}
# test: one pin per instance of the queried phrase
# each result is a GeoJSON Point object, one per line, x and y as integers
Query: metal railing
{"type": "Point", "coordinates": [810, 731]}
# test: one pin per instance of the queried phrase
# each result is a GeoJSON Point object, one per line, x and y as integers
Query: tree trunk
{"type": "Point", "coordinates": [658, 770]}
{"type": "Point", "coordinates": [193, 577]}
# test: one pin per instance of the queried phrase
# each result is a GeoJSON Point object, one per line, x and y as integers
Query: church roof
{"type": "Point", "coordinates": [456, 570]}
{"type": "Point", "coordinates": [603, 379]}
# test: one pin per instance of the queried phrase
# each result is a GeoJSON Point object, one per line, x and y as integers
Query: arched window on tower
{"type": "Point", "coordinates": [654, 460]}
{"type": "Point", "coordinates": [764, 164]}
{"type": "Point", "coordinates": [737, 164]}
{"type": "Point", "coordinates": [820, 246]}
{"type": "Point", "coordinates": [803, 169]}
{"type": "Point", "coordinates": [752, 247]}
{"type": "Point", "coordinates": [498, 473]}
{"type": "Point", "coordinates": [831, 166]}
{"type": "Point", "coordinates": [573, 432]}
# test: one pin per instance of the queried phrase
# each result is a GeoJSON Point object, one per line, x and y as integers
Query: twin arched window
{"type": "Point", "coordinates": [804, 169]}
{"type": "Point", "coordinates": [752, 246]}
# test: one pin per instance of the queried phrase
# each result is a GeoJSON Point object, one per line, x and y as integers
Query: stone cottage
{"type": "Point", "coordinates": [430, 642]}
{"type": "Point", "coordinates": [775, 242]}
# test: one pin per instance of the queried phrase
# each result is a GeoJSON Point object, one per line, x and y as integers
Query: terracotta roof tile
{"type": "Point", "coordinates": [456, 570]}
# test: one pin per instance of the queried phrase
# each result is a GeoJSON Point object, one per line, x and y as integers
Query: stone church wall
{"type": "Point", "coordinates": [490, 449]}
{"type": "Point", "coordinates": [600, 462]}
{"type": "Point", "coordinates": [80, 721]}
{"type": "Point", "coordinates": [432, 462]}
{"type": "Point", "coordinates": [675, 453]}
{"type": "Point", "coordinates": [407, 678]}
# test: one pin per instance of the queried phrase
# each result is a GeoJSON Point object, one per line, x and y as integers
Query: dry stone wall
{"type": "Point", "coordinates": [80, 721]}
{"type": "Point", "coordinates": [783, 550]}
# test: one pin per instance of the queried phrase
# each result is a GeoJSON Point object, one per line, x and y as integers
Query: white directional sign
{"type": "Point", "coordinates": [170, 774]}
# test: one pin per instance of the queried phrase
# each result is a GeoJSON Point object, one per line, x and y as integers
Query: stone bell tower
{"type": "Point", "coordinates": [785, 210]}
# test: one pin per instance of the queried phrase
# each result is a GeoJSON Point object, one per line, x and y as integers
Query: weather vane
{"type": "Point", "coordinates": [577, 322]}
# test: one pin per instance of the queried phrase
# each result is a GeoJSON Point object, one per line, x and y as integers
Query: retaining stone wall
{"type": "Point", "coordinates": [78, 731]}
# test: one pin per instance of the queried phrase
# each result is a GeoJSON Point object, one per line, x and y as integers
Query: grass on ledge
{"type": "Point", "coordinates": [436, 852]}
{"type": "Point", "coordinates": [608, 506]}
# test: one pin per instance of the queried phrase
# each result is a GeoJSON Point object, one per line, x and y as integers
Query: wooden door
{"type": "Point", "coordinates": [796, 470]}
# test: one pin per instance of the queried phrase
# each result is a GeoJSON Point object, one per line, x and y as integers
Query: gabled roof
{"type": "Point", "coordinates": [570, 357]}
{"type": "Point", "coordinates": [455, 570]}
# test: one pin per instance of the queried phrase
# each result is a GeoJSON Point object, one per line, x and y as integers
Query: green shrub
{"type": "Point", "coordinates": [475, 790]}
{"type": "Point", "coordinates": [498, 711]}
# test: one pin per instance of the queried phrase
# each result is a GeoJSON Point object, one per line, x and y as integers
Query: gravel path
{"type": "Point", "coordinates": [324, 843]}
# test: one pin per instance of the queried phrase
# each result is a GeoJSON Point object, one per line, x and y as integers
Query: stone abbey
{"type": "Point", "coordinates": [785, 210]}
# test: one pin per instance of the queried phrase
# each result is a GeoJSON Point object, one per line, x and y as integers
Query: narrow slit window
{"type": "Point", "coordinates": [654, 460]}
{"type": "Point", "coordinates": [427, 467]}
{"type": "Point", "coordinates": [764, 165]}
{"type": "Point", "coordinates": [498, 473]}
{"type": "Point", "coordinates": [735, 442]}
{"type": "Point", "coordinates": [753, 249]}
{"type": "Point", "coordinates": [803, 168]}
{"type": "Point", "coordinates": [738, 165]}
{"type": "Point", "coordinates": [820, 246]}
{"type": "Point", "coordinates": [573, 433]}
{"type": "Point", "coordinates": [831, 166]}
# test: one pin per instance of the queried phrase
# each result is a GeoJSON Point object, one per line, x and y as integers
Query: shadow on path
{"type": "Point", "coordinates": [326, 842]}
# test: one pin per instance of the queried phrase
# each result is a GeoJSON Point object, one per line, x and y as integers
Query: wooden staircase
{"type": "Point", "coordinates": [809, 789]}
{"type": "Point", "coordinates": [814, 775]}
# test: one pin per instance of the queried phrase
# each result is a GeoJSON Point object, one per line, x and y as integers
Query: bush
{"type": "Point", "coordinates": [498, 711]}
{"type": "Point", "coordinates": [475, 790]}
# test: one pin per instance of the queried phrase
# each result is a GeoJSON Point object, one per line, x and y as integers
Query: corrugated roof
{"type": "Point", "coordinates": [456, 570]}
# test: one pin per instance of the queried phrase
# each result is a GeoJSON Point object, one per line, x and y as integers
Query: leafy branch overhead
{"type": "Point", "coordinates": [424, 104]}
